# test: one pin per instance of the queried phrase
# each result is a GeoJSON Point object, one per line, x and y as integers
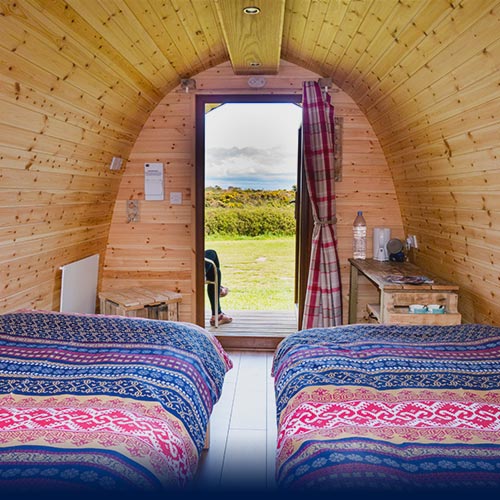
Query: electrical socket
{"type": "Point", "coordinates": [411, 241]}
{"type": "Point", "coordinates": [175, 198]}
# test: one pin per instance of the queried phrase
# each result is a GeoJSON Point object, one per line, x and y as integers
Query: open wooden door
{"type": "Point", "coordinates": [202, 101]}
{"type": "Point", "coordinates": [304, 227]}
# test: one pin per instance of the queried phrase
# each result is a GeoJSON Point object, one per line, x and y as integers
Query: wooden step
{"type": "Point", "coordinates": [258, 330]}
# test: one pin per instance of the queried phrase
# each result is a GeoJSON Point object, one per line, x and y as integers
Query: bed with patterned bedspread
{"type": "Point", "coordinates": [103, 403]}
{"type": "Point", "coordinates": [376, 407]}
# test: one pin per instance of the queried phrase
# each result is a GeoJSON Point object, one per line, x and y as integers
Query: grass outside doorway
{"type": "Point", "coordinates": [259, 272]}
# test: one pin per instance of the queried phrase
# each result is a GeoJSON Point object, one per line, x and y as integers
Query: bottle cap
{"type": "Point", "coordinates": [360, 212]}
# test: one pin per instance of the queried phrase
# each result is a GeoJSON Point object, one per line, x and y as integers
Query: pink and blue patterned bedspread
{"type": "Point", "coordinates": [389, 408]}
{"type": "Point", "coordinates": [103, 403]}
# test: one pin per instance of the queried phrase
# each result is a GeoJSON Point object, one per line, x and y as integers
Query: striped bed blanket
{"type": "Point", "coordinates": [376, 408]}
{"type": "Point", "coordinates": [103, 403]}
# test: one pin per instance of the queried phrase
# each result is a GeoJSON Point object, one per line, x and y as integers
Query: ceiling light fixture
{"type": "Point", "coordinates": [251, 11]}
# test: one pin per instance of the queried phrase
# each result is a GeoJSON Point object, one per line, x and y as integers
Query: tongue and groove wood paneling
{"type": "Point", "coordinates": [59, 129]}
{"type": "Point", "coordinates": [80, 78]}
{"type": "Point", "coordinates": [439, 127]}
{"type": "Point", "coordinates": [160, 248]}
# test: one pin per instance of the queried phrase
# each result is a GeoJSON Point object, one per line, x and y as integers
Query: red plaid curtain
{"type": "Point", "coordinates": [323, 303]}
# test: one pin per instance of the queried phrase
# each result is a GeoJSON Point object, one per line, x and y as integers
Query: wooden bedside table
{"type": "Point", "coordinates": [394, 298]}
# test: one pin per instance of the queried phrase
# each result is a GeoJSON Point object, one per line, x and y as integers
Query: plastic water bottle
{"type": "Point", "coordinates": [359, 234]}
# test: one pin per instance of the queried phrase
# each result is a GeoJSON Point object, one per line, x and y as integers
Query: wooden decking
{"type": "Point", "coordinates": [254, 329]}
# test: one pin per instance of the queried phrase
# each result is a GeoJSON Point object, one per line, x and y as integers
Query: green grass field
{"type": "Point", "coordinates": [258, 272]}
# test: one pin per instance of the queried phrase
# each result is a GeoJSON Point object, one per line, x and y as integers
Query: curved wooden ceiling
{"type": "Point", "coordinates": [382, 52]}
{"type": "Point", "coordinates": [79, 79]}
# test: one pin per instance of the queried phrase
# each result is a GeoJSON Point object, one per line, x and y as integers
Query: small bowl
{"type": "Point", "coordinates": [436, 309]}
{"type": "Point", "coordinates": [417, 309]}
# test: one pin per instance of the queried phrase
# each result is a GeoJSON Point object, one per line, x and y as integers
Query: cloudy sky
{"type": "Point", "coordinates": [252, 145]}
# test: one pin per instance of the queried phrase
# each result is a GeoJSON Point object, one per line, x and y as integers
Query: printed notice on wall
{"type": "Point", "coordinates": [153, 181]}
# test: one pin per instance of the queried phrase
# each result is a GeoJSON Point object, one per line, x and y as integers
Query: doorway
{"type": "Point", "coordinates": [206, 103]}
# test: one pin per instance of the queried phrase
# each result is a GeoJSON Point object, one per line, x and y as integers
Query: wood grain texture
{"type": "Point", "coordinates": [253, 41]}
{"type": "Point", "coordinates": [242, 450]}
{"type": "Point", "coordinates": [80, 79]}
{"type": "Point", "coordinates": [161, 245]}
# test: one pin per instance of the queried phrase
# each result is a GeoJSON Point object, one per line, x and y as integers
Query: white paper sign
{"type": "Point", "coordinates": [153, 181]}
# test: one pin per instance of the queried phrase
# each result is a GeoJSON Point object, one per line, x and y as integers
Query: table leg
{"type": "Point", "coordinates": [353, 296]}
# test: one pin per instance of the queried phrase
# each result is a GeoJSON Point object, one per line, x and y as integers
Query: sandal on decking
{"type": "Point", "coordinates": [223, 319]}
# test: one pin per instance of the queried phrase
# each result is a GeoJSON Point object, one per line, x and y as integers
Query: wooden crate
{"type": "Point", "coordinates": [139, 302]}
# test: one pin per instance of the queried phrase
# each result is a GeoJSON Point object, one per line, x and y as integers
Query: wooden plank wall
{"type": "Point", "coordinates": [59, 128]}
{"type": "Point", "coordinates": [426, 75]}
{"type": "Point", "coordinates": [79, 79]}
{"type": "Point", "coordinates": [159, 249]}
{"type": "Point", "coordinates": [437, 115]}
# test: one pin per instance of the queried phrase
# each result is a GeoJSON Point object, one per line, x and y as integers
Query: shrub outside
{"type": "Point", "coordinates": [250, 221]}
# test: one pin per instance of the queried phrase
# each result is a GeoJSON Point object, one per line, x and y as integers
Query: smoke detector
{"type": "Point", "coordinates": [256, 82]}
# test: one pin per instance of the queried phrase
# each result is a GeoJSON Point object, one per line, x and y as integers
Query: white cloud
{"type": "Point", "coordinates": [252, 145]}
{"type": "Point", "coordinates": [249, 160]}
